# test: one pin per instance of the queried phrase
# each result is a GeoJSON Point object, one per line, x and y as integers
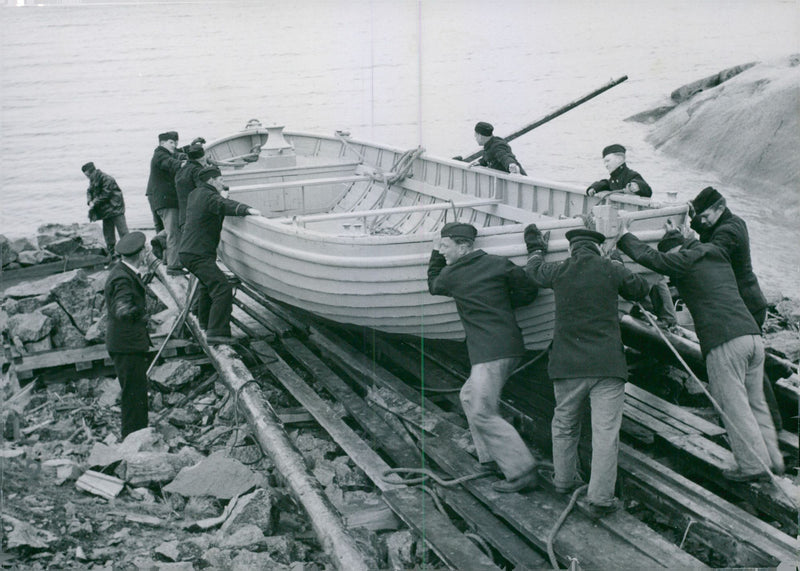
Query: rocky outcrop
{"type": "Point", "coordinates": [747, 129]}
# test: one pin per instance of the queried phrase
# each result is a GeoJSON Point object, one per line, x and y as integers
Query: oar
{"type": "Point", "coordinates": [553, 115]}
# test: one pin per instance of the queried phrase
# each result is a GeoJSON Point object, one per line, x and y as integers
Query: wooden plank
{"type": "Point", "coordinates": [414, 508]}
{"type": "Point", "coordinates": [494, 531]}
{"type": "Point", "coordinates": [700, 424]}
{"type": "Point", "coordinates": [273, 308]}
{"type": "Point", "coordinates": [277, 326]}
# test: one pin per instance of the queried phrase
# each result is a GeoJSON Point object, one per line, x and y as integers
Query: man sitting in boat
{"type": "Point", "coordinates": [496, 152]}
{"type": "Point", "coordinates": [620, 176]}
{"type": "Point", "coordinates": [486, 288]}
{"type": "Point", "coordinates": [587, 361]}
{"type": "Point", "coordinates": [206, 209]}
{"type": "Point", "coordinates": [730, 340]}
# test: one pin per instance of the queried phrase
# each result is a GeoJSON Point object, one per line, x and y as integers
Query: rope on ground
{"type": "Point", "coordinates": [561, 519]}
{"type": "Point", "coordinates": [403, 418]}
{"type": "Point", "coordinates": [427, 473]}
{"type": "Point", "coordinates": [480, 542]}
{"type": "Point", "coordinates": [728, 424]}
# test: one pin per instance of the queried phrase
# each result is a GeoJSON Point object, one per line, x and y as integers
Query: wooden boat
{"type": "Point", "coordinates": [349, 225]}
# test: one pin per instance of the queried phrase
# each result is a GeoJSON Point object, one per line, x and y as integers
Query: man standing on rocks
{"type": "Point", "coordinates": [164, 165]}
{"type": "Point", "coordinates": [486, 290]}
{"type": "Point", "coordinates": [716, 224]}
{"type": "Point", "coordinates": [127, 340]}
{"type": "Point", "coordinates": [730, 340]}
{"type": "Point", "coordinates": [205, 211]}
{"type": "Point", "coordinates": [105, 201]}
{"type": "Point", "coordinates": [496, 152]}
{"type": "Point", "coordinates": [620, 176]}
{"type": "Point", "coordinates": [587, 360]}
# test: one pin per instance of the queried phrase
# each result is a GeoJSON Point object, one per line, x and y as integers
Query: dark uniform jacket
{"type": "Point", "coordinates": [205, 212]}
{"type": "Point", "coordinates": [619, 179]}
{"type": "Point", "coordinates": [586, 339]}
{"type": "Point", "coordinates": [161, 184]}
{"type": "Point", "coordinates": [185, 182]}
{"type": "Point", "coordinates": [497, 155]}
{"type": "Point", "coordinates": [126, 328]}
{"type": "Point", "coordinates": [107, 194]}
{"type": "Point", "coordinates": [486, 289]}
{"type": "Point", "coordinates": [730, 234]}
{"type": "Point", "coordinates": [704, 278]}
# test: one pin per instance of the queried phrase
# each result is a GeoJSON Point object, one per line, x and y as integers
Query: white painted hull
{"type": "Point", "coordinates": [332, 268]}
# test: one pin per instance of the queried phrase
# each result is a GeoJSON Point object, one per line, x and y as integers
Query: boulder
{"type": "Point", "coordinates": [258, 508]}
{"type": "Point", "coordinates": [7, 255]}
{"type": "Point", "coordinates": [30, 257]}
{"type": "Point", "coordinates": [64, 246]}
{"type": "Point", "coordinates": [39, 287]}
{"type": "Point", "coordinates": [173, 375]}
{"type": "Point", "coordinates": [97, 330]}
{"type": "Point", "coordinates": [29, 326]}
{"type": "Point", "coordinates": [27, 305]}
{"type": "Point", "coordinates": [64, 333]}
{"type": "Point", "coordinates": [23, 245]}
{"type": "Point", "coordinates": [785, 343]}
{"type": "Point", "coordinates": [217, 475]}
{"type": "Point", "coordinates": [77, 297]}
{"type": "Point", "coordinates": [146, 468]}
{"type": "Point", "coordinates": [247, 536]}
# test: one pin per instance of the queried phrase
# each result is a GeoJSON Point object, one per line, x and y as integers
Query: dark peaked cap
{"type": "Point", "coordinates": [613, 149]}
{"type": "Point", "coordinates": [584, 234]}
{"type": "Point", "coordinates": [484, 128]}
{"type": "Point", "coordinates": [130, 243]}
{"type": "Point", "coordinates": [707, 198]}
{"type": "Point", "coordinates": [208, 172]}
{"type": "Point", "coordinates": [459, 230]}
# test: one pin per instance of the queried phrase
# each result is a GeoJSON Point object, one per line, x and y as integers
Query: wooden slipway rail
{"type": "Point", "coordinates": [401, 423]}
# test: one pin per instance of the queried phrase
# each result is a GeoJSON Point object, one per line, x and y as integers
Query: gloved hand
{"type": "Point", "coordinates": [535, 240]}
{"type": "Point", "coordinates": [198, 141]}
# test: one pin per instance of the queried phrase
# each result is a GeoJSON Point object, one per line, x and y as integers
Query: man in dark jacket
{"type": "Point", "coordinates": [587, 361]}
{"type": "Point", "coordinates": [729, 338]}
{"type": "Point", "coordinates": [164, 165]}
{"type": "Point", "coordinates": [127, 340]}
{"type": "Point", "coordinates": [496, 152]}
{"type": "Point", "coordinates": [205, 211]}
{"type": "Point", "coordinates": [187, 180]}
{"type": "Point", "coordinates": [105, 203]}
{"type": "Point", "coordinates": [716, 224]}
{"type": "Point", "coordinates": [486, 288]}
{"type": "Point", "coordinates": [620, 176]}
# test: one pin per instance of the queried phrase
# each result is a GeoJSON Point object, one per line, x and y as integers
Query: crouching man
{"type": "Point", "coordinates": [486, 289]}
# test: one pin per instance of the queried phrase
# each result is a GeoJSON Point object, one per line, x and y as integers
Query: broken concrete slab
{"type": "Point", "coordinates": [174, 374]}
{"type": "Point", "coordinates": [258, 508]}
{"type": "Point", "coordinates": [247, 536]}
{"type": "Point", "coordinates": [25, 535]}
{"type": "Point", "coordinates": [168, 551]}
{"type": "Point", "coordinates": [39, 287]}
{"type": "Point", "coordinates": [64, 333]}
{"type": "Point", "coordinates": [217, 475]}
{"type": "Point", "coordinates": [144, 440]}
{"type": "Point", "coordinates": [109, 391]}
{"type": "Point", "coordinates": [145, 468]}
{"type": "Point", "coordinates": [100, 484]}
{"type": "Point", "coordinates": [103, 455]}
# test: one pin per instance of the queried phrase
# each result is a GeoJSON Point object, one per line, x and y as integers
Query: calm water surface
{"type": "Point", "coordinates": [100, 81]}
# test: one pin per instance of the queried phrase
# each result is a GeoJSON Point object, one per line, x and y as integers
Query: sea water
{"type": "Point", "coordinates": [98, 82]}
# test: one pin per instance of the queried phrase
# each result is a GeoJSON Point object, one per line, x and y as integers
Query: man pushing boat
{"type": "Point", "coordinates": [486, 289]}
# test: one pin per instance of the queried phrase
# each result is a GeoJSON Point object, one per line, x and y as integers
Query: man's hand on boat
{"type": "Point", "coordinates": [535, 241]}
{"type": "Point", "coordinates": [253, 212]}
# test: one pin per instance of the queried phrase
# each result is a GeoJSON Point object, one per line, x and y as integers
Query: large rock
{"type": "Point", "coordinates": [173, 375]}
{"type": "Point", "coordinates": [65, 240]}
{"type": "Point", "coordinates": [26, 305]}
{"type": "Point", "coordinates": [785, 343]}
{"type": "Point", "coordinates": [23, 245]}
{"type": "Point", "coordinates": [29, 326]}
{"type": "Point", "coordinates": [217, 475]}
{"type": "Point", "coordinates": [7, 255]}
{"type": "Point", "coordinates": [64, 333]}
{"type": "Point", "coordinates": [40, 287]}
{"type": "Point", "coordinates": [97, 330]}
{"type": "Point", "coordinates": [77, 297]}
{"type": "Point", "coordinates": [259, 509]}
{"type": "Point", "coordinates": [747, 129]}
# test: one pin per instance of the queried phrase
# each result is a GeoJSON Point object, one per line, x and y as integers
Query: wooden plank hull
{"type": "Point", "coordinates": [371, 270]}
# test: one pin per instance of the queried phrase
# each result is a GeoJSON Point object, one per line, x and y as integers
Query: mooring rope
{"type": "Point", "coordinates": [427, 473]}
{"type": "Point", "coordinates": [561, 519]}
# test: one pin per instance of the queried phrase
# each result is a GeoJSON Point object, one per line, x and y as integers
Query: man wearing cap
{"type": "Point", "coordinates": [105, 201]}
{"type": "Point", "coordinates": [486, 289]}
{"type": "Point", "coordinates": [206, 209]}
{"type": "Point", "coordinates": [187, 180]}
{"type": "Point", "coordinates": [730, 340]}
{"type": "Point", "coordinates": [587, 359]}
{"type": "Point", "coordinates": [716, 224]}
{"type": "Point", "coordinates": [164, 165]}
{"type": "Point", "coordinates": [127, 340]}
{"type": "Point", "coordinates": [496, 152]}
{"type": "Point", "coordinates": [620, 176]}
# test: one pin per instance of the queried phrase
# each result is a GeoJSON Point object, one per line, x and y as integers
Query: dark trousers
{"type": "Point", "coordinates": [214, 294]}
{"type": "Point", "coordinates": [769, 393]}
{"type": "Point", "coordinates": [117, 223]}
{"type": "Point", "coordinates": [132, 374]}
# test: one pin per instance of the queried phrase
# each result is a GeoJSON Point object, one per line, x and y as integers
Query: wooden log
{"type": "Point", "coordinates": [446, 541]}
{"type": "Point", "coordinates": [326, 522]}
